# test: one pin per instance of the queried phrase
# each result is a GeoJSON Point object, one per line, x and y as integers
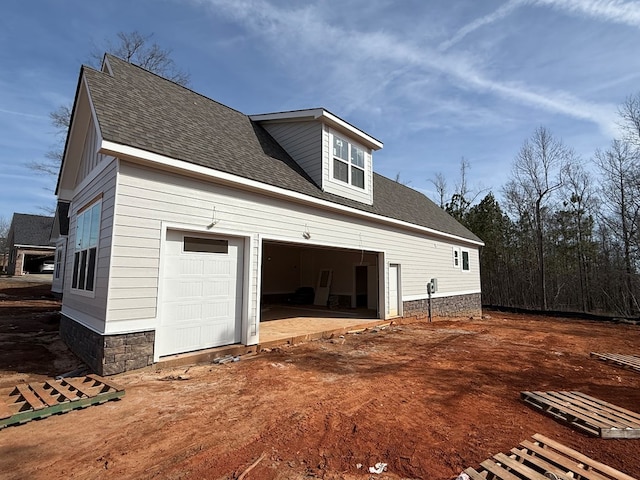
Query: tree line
{"type": "Point", "coordinates": [565, 235]}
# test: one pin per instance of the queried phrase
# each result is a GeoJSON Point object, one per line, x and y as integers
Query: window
{"type": "Point", "coordinates": [465, 260]}
{"type": "Point", "coordinates": [456, 258]}
{"type": "Point", "coordinates": [348, 162]}
{"type": "Point", "coordinates": [58, 265]}
{"type": "Point", "coordinates": [205, 245]}
{"type": "Point", "coordinates": [86, 249]}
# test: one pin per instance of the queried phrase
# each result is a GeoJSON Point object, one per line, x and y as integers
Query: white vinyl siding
{"type": "Point", "coordinates": [147, 198]}
{"type": "Point", "coordinates": [91, 310]}
{"type": "Point", "coordinates": [303, 142]}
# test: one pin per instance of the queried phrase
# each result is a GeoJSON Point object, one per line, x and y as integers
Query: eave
{"type": "Point", "coordinates": [324, 116]}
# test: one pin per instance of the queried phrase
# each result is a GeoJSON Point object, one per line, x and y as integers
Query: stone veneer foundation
{"type": "Point", "coordinates": [454, 306]}
{"type": "Point", "coordinates": [108, 354]}
{"type": "Point", "coordinates": [111, 354]}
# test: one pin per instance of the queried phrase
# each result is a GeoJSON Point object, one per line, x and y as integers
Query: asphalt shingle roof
{"type": "Point", "coordinates": [34, 230]}
{"type": "Point", "coordinates": [140, 109]}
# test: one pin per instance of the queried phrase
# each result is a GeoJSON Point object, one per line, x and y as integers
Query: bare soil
{"type": "Point", "coordinates": [427, 399]}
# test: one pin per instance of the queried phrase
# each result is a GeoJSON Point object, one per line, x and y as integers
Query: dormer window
{"type": "Point", "coordinates": [348, 162]}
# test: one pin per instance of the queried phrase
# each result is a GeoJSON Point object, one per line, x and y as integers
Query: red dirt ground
{"type": "Point", "coordinates": [427, 399]}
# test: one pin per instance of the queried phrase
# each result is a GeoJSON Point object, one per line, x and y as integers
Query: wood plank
{"type": "Point", "coordinates": [579, 457]}
{"type": "Point", "coordinates": [540, 462]}
{"type": "Point", "coordinates": [498, 471]}
{"type": "Point", "coordinates": [22, 417]}
{"type": "Point", "coordinates": [30, 397]}
{"type": "Point", "coordinates": [547, 407]}
{"type": "Point", "coordinates": [625, 361]}
{"type": "Point", "coordinates": [591, 409]}
{"type": "Point", "coordinates": [558, 400]}
{"type": "Point", "coordinates": [46, 395]}
{"type": "Point", "coordinates": [521, 468]}
{"type": "Point", "coordinates": [84, 388]}
{"type": "Point", "coordinates": [109, 383]}
{"type": "Point", "coordinates": [583, 412]}
{"type": "Point", "coordinates": [628, 414]}
{"type": "Point", "coordinates": [65, 391]}
{"type": "Point", "coordinates": [474, 475]}
{"type": "Point", "coordinates": [563, 461]}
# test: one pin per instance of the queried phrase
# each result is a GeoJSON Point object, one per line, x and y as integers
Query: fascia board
{"type": "Point", "coordinates": [137, 154]}
{"type": "Point", "coordinates": [323, 115]}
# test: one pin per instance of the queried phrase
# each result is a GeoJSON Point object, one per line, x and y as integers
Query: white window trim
{"type": "Point", "coordinates": [366, 169]}
{"type": "Point", "coordinates": [456, 259]}
{"type": "Point", "coordinates": [78, 291]}
{"type": "Point", "coordinates": [462, 252]}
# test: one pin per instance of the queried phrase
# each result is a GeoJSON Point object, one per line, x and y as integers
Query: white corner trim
{"type": "Point", "coordinates": [133, 153]}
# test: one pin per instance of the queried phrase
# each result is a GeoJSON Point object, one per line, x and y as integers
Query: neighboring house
{"type": "Point", "coordinates": [59, 234]}
{"type": "Point", "coordinates": [185, 216]}
{"type": "Point", "coordinates": [29, 243]}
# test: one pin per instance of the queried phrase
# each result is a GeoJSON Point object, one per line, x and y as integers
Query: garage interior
{"type": "Point", "coordinates": [306, 288]}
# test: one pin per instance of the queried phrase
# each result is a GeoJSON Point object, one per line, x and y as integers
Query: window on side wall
{"type": "Point", "coordinates": [58, 263]}
{"type": "Point", "coordinates": [348, 162]}
{"type": "Point", "coordinates": [85, 256]}
{"type": "Point", "coordinates": [456, 258]}
{"type": "Point", "coordinates": [465, 260]}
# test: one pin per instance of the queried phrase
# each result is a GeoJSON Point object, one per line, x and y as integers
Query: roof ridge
{"type": "Point", "coordinates": [135, 65]}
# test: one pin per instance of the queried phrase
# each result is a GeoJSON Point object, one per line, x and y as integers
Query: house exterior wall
{"type": "Point", "coordinates": [148, 198]}
{"type": "Point", "coordinates": [303, 142]}
{"type": "Point", "coordinates": [89, 308]}
{"type": "Point", "coordinates": [140, 203]}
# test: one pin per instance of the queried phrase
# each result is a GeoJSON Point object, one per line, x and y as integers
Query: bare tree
{"type": "Point", "coordinates": [536, 175]}
{"type": "Point", "coordinates": [132, 47]}
{"type": "Point", "coordinates": [139, 49]}
{"type": "Point", "coordinates": [440, 183]}
{"type": "Point", "coordinates": [578, 198]}
{"type": "Point", "coordinates": [620, 169]}
{"type": "Point", "coordinates": [463, 196]}
{"type": "Point", "coordinates": [401, 181]}
{"type": "Point", "coordinates": [4, 244]}
{"type": "Point", "coordinates": [629, 113]}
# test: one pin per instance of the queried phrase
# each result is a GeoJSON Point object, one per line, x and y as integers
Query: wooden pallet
{"type": "Point", "coordinates": [39, 400]}
{"type": "Point", "coordinates": [593, 416]}
{"type": "Point", "coordinates": [543, 459]}
{"type": "Point", "coordinates": [625, 361]}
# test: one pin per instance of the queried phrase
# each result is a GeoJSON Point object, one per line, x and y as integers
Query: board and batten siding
{"type": "Point", "coordinates": [148, 197]}
{"type": "Point", "coordinates": [331, 185]}
{"type": "Point", "coordinates": [303, 142]}
{"type": "Point", "coordinates": [90, 310]}
{"type": "Point", "coordinates": [90, 156]}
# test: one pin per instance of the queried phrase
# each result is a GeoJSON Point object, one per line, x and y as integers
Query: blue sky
{"type": "Point", "coordinates": [434, 80]}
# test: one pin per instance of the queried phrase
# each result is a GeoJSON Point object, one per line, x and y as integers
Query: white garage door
{"type": "Point", "coordinates": [202, 293]}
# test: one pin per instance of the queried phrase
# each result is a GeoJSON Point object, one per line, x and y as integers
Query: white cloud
{"type": "Point", "coordinates": [502, 12]}
{"type": "Point", "coordinates": [615, 11]}
{"type": "Point", "coordinates": [360, 65]}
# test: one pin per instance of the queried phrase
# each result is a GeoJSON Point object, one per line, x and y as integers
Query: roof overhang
{"type": "Point", "coordinates": [141, 156]}
{"type": "Point", "coordinates": [324, 116]}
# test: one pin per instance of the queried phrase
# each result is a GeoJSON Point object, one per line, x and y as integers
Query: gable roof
{"type": "Point", "coordinates": [139, 109]}
{"type": "Point", "coordinates": [30, 230]}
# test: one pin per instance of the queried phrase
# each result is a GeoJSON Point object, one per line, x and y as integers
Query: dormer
{"type": "Point", "coordinates": [336, 155]}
